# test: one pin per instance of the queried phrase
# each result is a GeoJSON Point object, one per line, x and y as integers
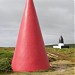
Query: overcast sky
{"type": "Point", "coordinates": [56, 17]}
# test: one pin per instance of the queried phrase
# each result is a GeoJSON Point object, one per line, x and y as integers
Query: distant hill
{"type": "Point", "coordinates": [70, 45]}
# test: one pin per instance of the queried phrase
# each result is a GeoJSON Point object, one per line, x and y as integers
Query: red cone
{"type": "Point", "coordinates": [30, 52]}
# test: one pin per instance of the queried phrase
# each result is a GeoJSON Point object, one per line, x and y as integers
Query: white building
{"type": "Point", "coordinates": [61, 44]}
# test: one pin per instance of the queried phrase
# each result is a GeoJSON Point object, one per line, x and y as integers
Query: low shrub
{"type": "Point", "coordinates": [5, 60]}
{"type": "Point", "coordinates": [5, 65]}
{"type": "Point", "coordinates": [6, 54]}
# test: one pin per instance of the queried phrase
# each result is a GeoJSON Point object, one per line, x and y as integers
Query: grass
{"type": "Point", "coordinates": [62, 54]}
{"type": "Point", "coordinates": [62, 62]}
{"type": "Point", "coordinates": [68, 71]}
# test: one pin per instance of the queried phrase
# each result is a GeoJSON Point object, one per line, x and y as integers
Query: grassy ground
{"type": "Point", "coordinates": [62, 62]}
{"type": "Point", "coordinates": [69, 71]}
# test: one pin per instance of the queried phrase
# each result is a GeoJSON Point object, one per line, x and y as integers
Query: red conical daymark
{"type": "Point", "coordinates": [30, 52]}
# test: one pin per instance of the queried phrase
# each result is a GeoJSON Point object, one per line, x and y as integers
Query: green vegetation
{"type": "Point", "coordinates": [62, 62]}
{"type": "Point", "coordinates": [5, 59]}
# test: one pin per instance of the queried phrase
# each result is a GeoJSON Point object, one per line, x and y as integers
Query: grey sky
{"type": "Point", "coordinates": [56, 17]}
